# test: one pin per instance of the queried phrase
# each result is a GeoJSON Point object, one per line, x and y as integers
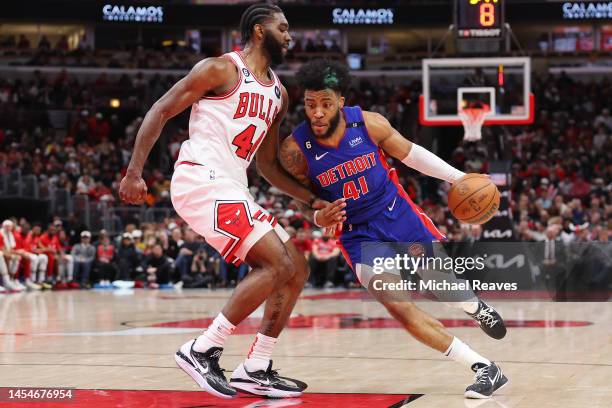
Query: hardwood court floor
{"type": "Point", "coordinates": [555, 354]}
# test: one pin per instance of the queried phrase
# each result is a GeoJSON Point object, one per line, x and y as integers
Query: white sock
{"type": "Point", "coordinates": [470, 306]}
{"type": "Point", "coordinates": [260, 353]}
{"type": "Point", "coordinates": [462, 353]}
{"type": "Point", "coordinates": [215, 335]}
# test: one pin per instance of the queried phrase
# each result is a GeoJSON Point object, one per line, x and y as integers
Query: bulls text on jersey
{"type": "Point", "coordinates": [254, 105]}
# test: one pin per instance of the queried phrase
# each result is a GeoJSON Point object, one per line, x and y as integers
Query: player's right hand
{"type": "Point", "coordinates": [331, 214]}
{"type": "Point", "coordinates": [133, 189]}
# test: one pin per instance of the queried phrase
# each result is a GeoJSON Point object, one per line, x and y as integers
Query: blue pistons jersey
{"type": "Point", "coordinates": [377, 207]}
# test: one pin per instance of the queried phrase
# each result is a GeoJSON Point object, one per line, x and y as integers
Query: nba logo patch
{"type": "Point", "coordinates": [277, 91]}
{"type": "Point", "coordinates": [355, 141]}
{"type": "Point", "coordinates": [246, 72]}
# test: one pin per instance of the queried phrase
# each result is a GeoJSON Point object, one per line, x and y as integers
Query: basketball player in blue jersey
{"type": "Point", "coordinates": [339, 153]}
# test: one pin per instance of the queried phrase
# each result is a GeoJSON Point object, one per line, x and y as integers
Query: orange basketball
{"type": "Point", "coordinates": [473, 199]}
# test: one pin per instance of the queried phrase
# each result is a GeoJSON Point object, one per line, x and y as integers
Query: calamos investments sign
{"type": "Point", "coordinates": [362, 16]}
{"type": "Point", "coordinates": [139, 14]}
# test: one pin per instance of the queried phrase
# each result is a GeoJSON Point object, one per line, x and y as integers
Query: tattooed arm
{"type": "Point", "coordinates": [269, 166]}
{"type": "Point", "coordinates": [293, 161]}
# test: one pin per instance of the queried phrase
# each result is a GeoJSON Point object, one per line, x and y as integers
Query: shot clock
{"type": "Point", "coordinates": [479, 18]}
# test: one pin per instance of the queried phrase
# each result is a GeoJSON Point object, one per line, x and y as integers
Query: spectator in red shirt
{"type": "Point", "coordinates": [50, 245]}
{"type": "Point", "coordinates": [35, 264]}
{"type": "Point", "coordinates": [105, 259]}
{"type": "Point", "coordinates": [324, 260]}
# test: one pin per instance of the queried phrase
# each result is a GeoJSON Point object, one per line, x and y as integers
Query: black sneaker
{"type": "Point", "coordinates": [204, 369]}
{"type": "Point", "coordinates": [488, 379]}
{"type": "Point", "coordinates": [489, 320]}
{"type": "Point", "coordinates": [267, 383]}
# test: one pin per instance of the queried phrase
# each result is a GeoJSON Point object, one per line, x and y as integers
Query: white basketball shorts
{"type": "Point", "coordinates": [222, 210]}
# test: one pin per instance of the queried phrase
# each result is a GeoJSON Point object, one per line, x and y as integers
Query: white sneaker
{"type": "Point", "coordinates": [267, 383]}
{"type": "Point", "coordinates": [20, 285]}
{"type": "Point", "coordinates": [13, 286]}
{"type": "Point", "coordinates": [31, 285]}
{"type": "Point", "coordinates": [3, 289]}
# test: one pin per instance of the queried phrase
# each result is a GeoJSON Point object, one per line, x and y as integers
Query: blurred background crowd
{"type": "Point", "coordinates": [74, 134]}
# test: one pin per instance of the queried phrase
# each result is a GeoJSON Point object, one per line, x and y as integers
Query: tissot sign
{"type": "Point", "coordinates": [139, 14]}
{"type": "Point", "coordinates": [591, 10]}
{"type": "Point", "coordinates": [362, 16]}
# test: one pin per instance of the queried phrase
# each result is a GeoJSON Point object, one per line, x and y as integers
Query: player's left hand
{"type": "Point", "coordinates": [331, 214]}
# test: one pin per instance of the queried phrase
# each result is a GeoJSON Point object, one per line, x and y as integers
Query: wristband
{"type": "Point", "coordinates": [314, 219]}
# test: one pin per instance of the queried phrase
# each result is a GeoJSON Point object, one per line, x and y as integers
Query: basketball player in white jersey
{"type": "Point", "coordinates": [236, 100]}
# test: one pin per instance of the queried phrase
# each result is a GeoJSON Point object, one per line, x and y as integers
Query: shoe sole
{"type": "Point", "coordinates": [188, 368]}
{"type": "Point", "coordinates": [264, 391]}
{"type": "Point", "coordinates": [474, 395]}
{"type": "Point", "coordinates": [491, 335]}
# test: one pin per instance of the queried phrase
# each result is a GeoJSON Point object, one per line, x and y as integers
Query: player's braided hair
{"type": "Point", "coordinates": [255, 14]}
{"type": "Point", "coordinates": [320, 74]}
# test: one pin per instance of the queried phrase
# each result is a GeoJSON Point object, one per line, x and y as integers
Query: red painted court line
{"type": "Point", "coordinates": [357, 321]}
{"type": "Point", "coordinates": [184, 399]}
{"type": "Point", "coordinates": [498, 295]}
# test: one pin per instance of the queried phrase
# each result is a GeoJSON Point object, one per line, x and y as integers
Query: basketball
{"type": "Point", "coordinates": [474, 199]}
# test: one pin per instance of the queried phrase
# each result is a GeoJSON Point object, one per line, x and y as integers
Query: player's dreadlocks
{"type": "Point", "coordinates": [320, 74]}
{"type": "Point", "coordinates": [255, 14]}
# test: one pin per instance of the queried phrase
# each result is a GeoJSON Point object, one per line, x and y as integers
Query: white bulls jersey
{"type": "Point", "coordinates": [226, 130]}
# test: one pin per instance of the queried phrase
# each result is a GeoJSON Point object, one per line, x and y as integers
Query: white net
{"type": "Point", "coordinates": [473, 119]}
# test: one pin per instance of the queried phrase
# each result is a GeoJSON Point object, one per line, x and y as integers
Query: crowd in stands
{"type": "Point", "coordinates": [176, 54]}
{"type": "Point", "coordinates": [157, 255]}
{"type": "Point", "coordinates": [561, 177]}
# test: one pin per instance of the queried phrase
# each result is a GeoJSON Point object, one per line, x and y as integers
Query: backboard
{"type": "Point", "coordinates": [451, 84]}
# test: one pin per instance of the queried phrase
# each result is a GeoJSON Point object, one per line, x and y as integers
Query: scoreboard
{"type": "Point", "coordinates": [479, 18]}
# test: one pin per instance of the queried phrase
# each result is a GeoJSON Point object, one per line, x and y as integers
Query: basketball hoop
{"type": "Point", "coordinates": [473, 118]}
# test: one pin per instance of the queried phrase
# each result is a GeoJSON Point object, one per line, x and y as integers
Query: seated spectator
{"type": "Point", "coordinates": [65, 262]}
{"type": "Point", "coordinates": [11, 255]}
{"type": "Point", "coordinates": [83, 256]}
{"type": "Point", "coordinates": [157, 267]}
{"type": "Point", "coordinates": [186, 253]}
{"type": "Point", "coordinates": [202, 271]}
{"type": "Point", "coordinates": [105, 260]}
{"type": "Point", "coordinates": [5, 280]}
{"type": "Point", "coordinates": [35, 237]}
{"type": "Point", "coordinates": [174, 242]}
{"type": "Point", "coordinates": [128, 258]}
{"type": "Point", "coordinates": [37, 261]}
{"type": "Point", "coordinates": [324, 261]}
